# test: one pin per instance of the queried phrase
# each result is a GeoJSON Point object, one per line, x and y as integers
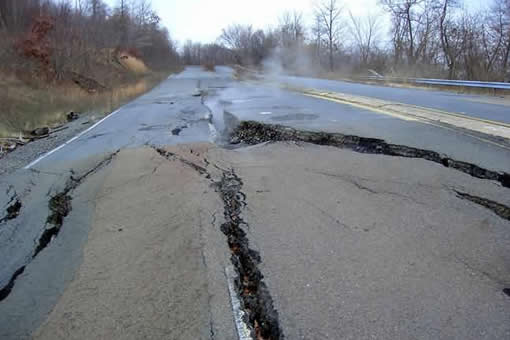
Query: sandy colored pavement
{"type": "Point", "coordinates": [358, 246]}
{"type": "Point", "coordinates": [353, 246]}
{"type": "Point", "coordinates": [153, 261]}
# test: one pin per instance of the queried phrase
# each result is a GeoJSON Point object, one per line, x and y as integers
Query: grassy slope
{"type": "Point", "coordinates": [25, 107]}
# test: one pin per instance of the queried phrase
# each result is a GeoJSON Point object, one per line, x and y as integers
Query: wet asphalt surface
{"type": "Point", "coordinates": [151, 118]}
{"type": "Point", "coordinates": [189, 107]}
{"type": "Point", "coordinates": [446, 101]}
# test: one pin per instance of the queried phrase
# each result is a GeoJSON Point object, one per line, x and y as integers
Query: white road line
{"type": "Point", "coordinates": [70, 141]}
{"type": "Point", "coordinates": [242, 329]}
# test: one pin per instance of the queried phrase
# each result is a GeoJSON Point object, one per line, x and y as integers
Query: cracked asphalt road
{"type": "Point", "coordinates": [326, 243]}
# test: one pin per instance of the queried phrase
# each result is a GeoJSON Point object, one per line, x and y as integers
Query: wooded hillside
{"type": "Point", "coordinates": [79, 55]}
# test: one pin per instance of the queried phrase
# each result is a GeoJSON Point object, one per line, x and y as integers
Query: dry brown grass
{"type": "Point", "coordinates": [25, 108]}
{"type": "Point", "coordinates": [133, 64]}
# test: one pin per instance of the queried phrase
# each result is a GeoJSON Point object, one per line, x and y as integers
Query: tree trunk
{"type": "Point", "coordinates": [410, 52]}
{"type": "Point", "coordinates": [331, 66]}
{"type": "Point", "coordinates": [451, 70]}
{"type": "Point", "coordinates": [3, 25]}
{"type": "Point", "coordinates": [505, 62]}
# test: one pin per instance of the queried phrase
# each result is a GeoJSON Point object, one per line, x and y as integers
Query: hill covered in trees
{"type": "Point", "coordinates": [58, 56]}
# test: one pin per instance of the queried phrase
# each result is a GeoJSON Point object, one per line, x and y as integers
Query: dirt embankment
{"type": "Point", "coordinates": [30, 104]}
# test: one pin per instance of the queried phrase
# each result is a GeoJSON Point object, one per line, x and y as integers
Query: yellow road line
{"type": "Point", "coordinates": [330, 95]}
{"type": "Point", "coordinates": [404, 117]}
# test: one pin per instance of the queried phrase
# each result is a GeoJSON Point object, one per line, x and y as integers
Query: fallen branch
{"type": "Point", "coordinates": [32, 138]}
{"type": "Point", "coordinates": [58, 129]}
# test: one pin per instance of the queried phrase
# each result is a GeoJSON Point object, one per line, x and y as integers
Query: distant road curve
{"type": "Point", "coordinates": [469, 105]}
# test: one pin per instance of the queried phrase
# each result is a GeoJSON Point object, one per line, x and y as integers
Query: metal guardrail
{"type": "Point", "coordinates": [444, 82]}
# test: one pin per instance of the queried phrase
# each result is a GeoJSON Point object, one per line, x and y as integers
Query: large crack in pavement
{"type": "Point", "coordinates": [499, 209]}
{"type": "Point", "coordinates": [13, 209]}
{"type": "Point", "coordinates": [172, 156]}
{"type": "Point", "coordinates": [59, 205]}
{"type": "Point", "coordinates": [258, 306]}
{"type": "Point", "coordinates": [252, 132]}
{"type": "Point", "coordinates": [257, 303]}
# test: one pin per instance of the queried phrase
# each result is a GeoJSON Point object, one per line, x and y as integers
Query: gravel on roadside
{"type": "Point", "coordinates": [27, 153]}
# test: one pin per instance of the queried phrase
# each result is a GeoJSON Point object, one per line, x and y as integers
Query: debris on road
{"type": "Point", "coordinates": [42, 131]}
{"type": "Point", "coordinates": [72, 116]}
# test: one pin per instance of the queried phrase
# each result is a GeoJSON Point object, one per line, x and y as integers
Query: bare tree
{"type": "Point", "coordinates": [236, 36]}
{"type": "Point", "coordinates": [404, 20]}
{"type": "Point", "coordinates": [365, 33]}
{"type": "Point", "coordinates": [330, 14]}
{"type": "Point", "coordinates": [496, 38]}
{"type": "Point", "coordinates": [123, 21]}
{"type": "Point", "coordinates": [450, 35]}
{"type": "Point", "coordinates": [291, 29]}
{"type": "Point", "coordinates": [3, 24]}
{"type": "Point", "coordinates": [429, 38]}
{"type": "Point", "coordinates": [318, 36]}
{"type": "Point", "coordinates": [492, 38]}
{"type": "Point", "coordinates": [239, 39]}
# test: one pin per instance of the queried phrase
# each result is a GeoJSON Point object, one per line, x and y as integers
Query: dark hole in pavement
{"type": "Point", "coordinates": [12, 211]}
{"type": "Point", "coordinates": [60, 206]}
{"type": "Point", "coordinates": [178, 130]}
{"type": "Point", "coordinates": [506, 291]}
{"type": "Point", "coordinates": [5, 291]}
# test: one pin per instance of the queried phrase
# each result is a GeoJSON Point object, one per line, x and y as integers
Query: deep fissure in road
{"type": "Point", "coordinates": [256, 299]}
{"type": "Point", "coordinates": [59, 205]}
{"type": "Point", "coordinates": [13, 209]}
{"type": "Point", "coordinates": [252, 132]}
{"type": "Point", "coordinates": [257, 303]}
{"type": "Point", "coordinates": [172, 156]}
{"type": "Point", "coordinates": [499, 209]}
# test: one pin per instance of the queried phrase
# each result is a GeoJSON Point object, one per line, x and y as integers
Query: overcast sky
{"type": "Point", "coordinates": [203, 20]}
